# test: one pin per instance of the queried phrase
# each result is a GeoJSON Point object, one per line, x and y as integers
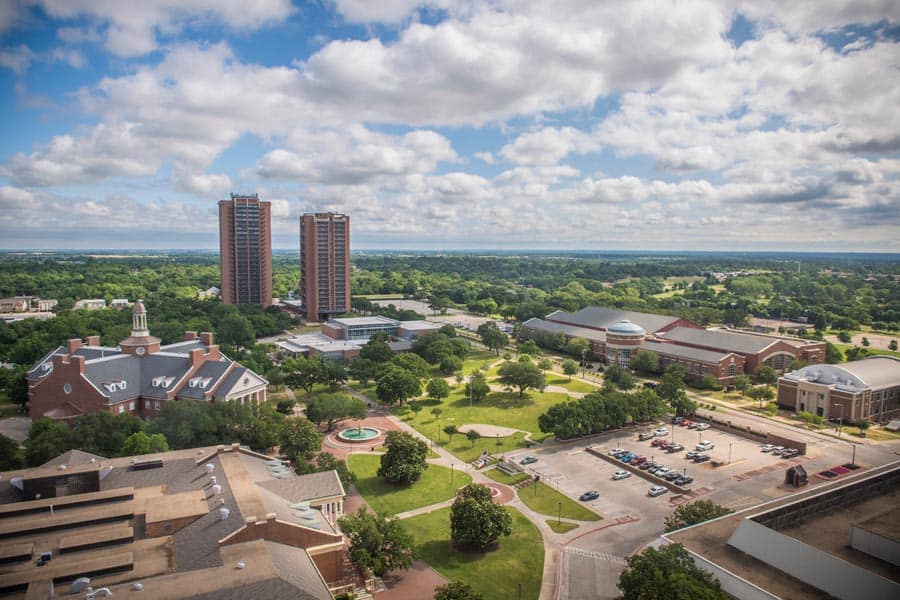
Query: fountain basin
{"type": "Point", "coordinates": [356, 435]}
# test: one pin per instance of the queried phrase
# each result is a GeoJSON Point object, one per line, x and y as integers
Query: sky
{"type": "Point", "coordinates": [450, 124]}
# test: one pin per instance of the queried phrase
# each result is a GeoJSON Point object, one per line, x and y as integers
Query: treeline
{"type": "Point", "coordinates": [599, 411]}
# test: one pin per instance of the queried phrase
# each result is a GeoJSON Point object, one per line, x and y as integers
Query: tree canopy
{"type": "Point", "coordinates": [333, 407]}
{"type": "Point", "coordinates": [405, 459]}
{"type": "Point", "coordinates": [667, 573]}
{"type": "Point", "coordinates": [695, 512]}
{"type": "Point", "coordinates": [521, 376]}
{"type": "Point", "coordinates": [475, 520]}
{"type": "Point", "coordinates": [377, 543]}
{"type": "Point", "coordinates": [396, 385]}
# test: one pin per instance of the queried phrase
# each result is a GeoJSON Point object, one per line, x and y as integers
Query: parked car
{"type": "Point", "coordinates": [677, 420]}
{"type": "Point", "coordinates": [657, 490]}
{"type": "Point", "coordinates": [614, 451]}
{"type": "Point", "coordinates": [703, 426]}
{"type": "Point", "coordinates": [590, 495]}
{"type": "Point", "coordinates": [692, 454]}
{"type": "Point", "coordinates": [776, 451]}
{"type": "Point", "coordinates": [628, 457]}
{"type": "Point", "coordinates": [705, 445]}
{"type": "Point", "coordinates": [701, 458]}
{"type": "Point", "coordinates": [621, 453]}
{"type": "Point", "coordinates": [638, 460]}
{"type": "Point", "coordinates": [674, 448]}
{"type": "Point", "coordinates": [684, 480]}
{"type": "Point", "coordinates": [661, 471]}
{"type": "Point", "coordinates": [672, 475]}
{"type": "Point", "coordinates": [646, 465]}
{"type": "Point", "coordinates": [685, 423]}
{"type": "Point", "coordinates": [694, 425]}
{"type": "Point", "coordinates": [661, 432]}
{"type": "Point", "coordinates": [621, 475]}
{"type": "Point", "coordinates": [528, 460]}
{"type": "Point", "coordinates": [767, 448]}
{"type": "Point", "coordinates": [789, 453]}
{"type": "Point", "coordinates": [646, 435]}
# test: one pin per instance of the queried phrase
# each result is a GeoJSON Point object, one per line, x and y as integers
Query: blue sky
{"type": "Point", "coordinates": [694, 125]}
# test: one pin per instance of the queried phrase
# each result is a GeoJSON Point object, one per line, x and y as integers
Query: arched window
{"type": "Point", "coordinates": [731, 370]}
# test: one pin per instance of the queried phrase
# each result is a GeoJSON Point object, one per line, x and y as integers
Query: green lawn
{"type": "Point", "coordinates": [872, 351]}
{"type": "Point", "coordinates": [543, 499]}
{"type": "Point", "coordinates": [561, 526]}
{"type": "Point", "coordinates": [497, 573]}
{"type": "Point", "coordinates": [501, 477]}
{"type": "Point", "coordinates": [434, 485]}
{"type": "Point", "coordinates": [572, 386]}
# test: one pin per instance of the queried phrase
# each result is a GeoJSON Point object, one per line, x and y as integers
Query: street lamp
{"type": "Point", "coordinates": [729, 453]}
{"type": "Point", "coordinates": [451, 473]}
{"type": "Point", "coordinates": [841, 422]}
{"type": "Point", "coordinates": [558, 512]}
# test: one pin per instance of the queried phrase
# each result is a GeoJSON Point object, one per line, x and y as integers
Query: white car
{"type": "Point", "coordinates": [704, 446]}
{"type": "Point", "coordinates": [614, 451]}
{"type": "Point", "coordinates": [702, 426]}
{"type": "Point", "coordinates": [661, 432]}
{"type": "Point", "coordinates": [621, 475]}
{"type": "Point", "coordinates": [767, 448]}
{"type": "Point", "coordinates": [657, 490]}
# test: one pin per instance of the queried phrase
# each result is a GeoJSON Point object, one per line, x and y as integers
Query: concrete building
{"type": "Point", "coordinates": [90, 304]}
{"type": "Point", "coordinates": [324, 265]}
{"type": "Point", "coordinates": [837, 540]}
{"type": "Point", "coordinates": [138, 376]}
{"type": "Point", "coordinates": [863, 389]}
{"type": "Point", "coordinates": [245, 250]}
{"type": "Point", "coordinates": [203, 523]}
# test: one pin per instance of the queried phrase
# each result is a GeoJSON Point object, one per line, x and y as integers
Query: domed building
{"type": "Point", "coordinates": [139, 376]}
{"type": "Point", "coordinates": [623, 339]}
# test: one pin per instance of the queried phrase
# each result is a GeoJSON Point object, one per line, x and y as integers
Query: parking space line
{"type": "Point", "coordinates": [596, 555]}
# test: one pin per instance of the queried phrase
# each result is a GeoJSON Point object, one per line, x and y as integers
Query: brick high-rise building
{"type": "Point", "coordinates": [324, 265]}
{"type": "Point", "coordinates": [245, 250]}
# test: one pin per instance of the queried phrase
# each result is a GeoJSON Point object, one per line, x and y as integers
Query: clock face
{"type": "Point", "coordinates": [141, 350]}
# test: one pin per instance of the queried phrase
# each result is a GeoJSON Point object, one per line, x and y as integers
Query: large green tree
{"type": "Point", "coordinates": [405, 459]}
{"type": "Point", "coordinates": [693, 513]}
{"type": "Point", "coordinates": [437, 388]}
{"type": "Point", "coordinates": [236, 330]}
{"type": "Point", "coordinates": [645, 361]}
{"type": "Point", "coordinates": [477, 387]}
{"type": "Point", "coordinates": [302, 372]}
{"type": "Point", "coordinates": [521, 375]}
{"type": "Point", "coordinates": [492, 337]}
{"type": "Point", "coordinates": [103, 432]}
{"type": "Point", "coordinates": [299, 438]}
{"type": "Point", "coordinates": [476, 521]}
{"type": "Point", "coordinates": [671, 383]}
{"type": "Point", "coordinates": [767, 375]}
{"type": "Point", "coordinates": [10, 454]}
{"type": "Point", "coordinates": [334, 407]}
{"type": "Point", "coordinates": [46, 440]}
{"type": "Point", "coordinates": [667, 573]}
{"type": "Point", "coordinates": [140, 443]}
{"type": "Point", "coordinates": [396, 385]}
{"type": "Point", "coordinates": [378, 543]}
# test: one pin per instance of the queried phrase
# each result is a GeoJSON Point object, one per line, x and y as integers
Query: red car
{"type": "Point", "coordinates": [685, 423]}
{"type": "Point", "coordinates": [658, 442]}
{"type": "Point", "coordinates": [638, 461]}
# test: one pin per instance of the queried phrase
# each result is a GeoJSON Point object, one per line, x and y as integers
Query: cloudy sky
{"type": "Point", "coordinates": [448, 124]}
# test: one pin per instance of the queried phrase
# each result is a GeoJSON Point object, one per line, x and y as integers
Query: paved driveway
{"type": "Point", "coordinates": [15, 428]}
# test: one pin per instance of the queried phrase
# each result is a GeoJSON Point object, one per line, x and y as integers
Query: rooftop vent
{"type": "Point", "coordinates": [241, 564]}
{"type": "Point", "coordinates": [223, 513]}
{"type": "Point", "coordinates": [210, 467]}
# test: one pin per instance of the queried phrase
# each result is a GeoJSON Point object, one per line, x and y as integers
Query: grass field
{"type": "Point", "coordinates": [497, 573]}
{"type": "Point", "coordinates": [501, 477]}
{"type": "Point", "coordinates": [434, 486]}
{"type": "Point", "coordinates": [561, 526]}
{"type": "Point", "coordinates": [543, 499]}
{"type": "Point", "coordinates": [872, 351]}
{"type": "Point", "coordinates": [573, 385]}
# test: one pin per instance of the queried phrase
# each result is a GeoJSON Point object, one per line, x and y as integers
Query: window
{"type": "Point", "coordinates": [813, 359]}
{"type": "Point", "coordinates": [121, 408]}
{"type": "Point", "coordinates": [131, 405]}
{"type": "Point", "coordinates": [156, 405]}
{"type": "Point", "coordinates": [731, 370]}
{"type": "Point", "coordinates": [67, 388]}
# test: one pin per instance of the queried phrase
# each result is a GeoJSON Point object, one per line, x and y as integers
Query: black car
{"type": "Point", "coordinates": [588, 496]}
{"type": "Point", "coordinates": [701, 458]}
{"type": "Point", "coordinates": [672, 476]}
{"type": "Point", "coordinates": [674, 448]}
{"type": "Point", "coordinates": [684, 480]}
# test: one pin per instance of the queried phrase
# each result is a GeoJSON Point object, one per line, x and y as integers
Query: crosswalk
{"type": "Point", "coordinates": [596, 555]}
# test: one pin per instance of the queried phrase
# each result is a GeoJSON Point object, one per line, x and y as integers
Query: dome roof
{"type": "Point", "coordinates": [626, 327]}
{"type": "Point", "coordinates": [139, 308]}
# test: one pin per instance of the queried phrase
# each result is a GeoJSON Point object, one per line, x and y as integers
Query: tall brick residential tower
{"type": "Point", "coordinates": [245, 250]}
{"type": "Point", "coordinates": [324, 265]}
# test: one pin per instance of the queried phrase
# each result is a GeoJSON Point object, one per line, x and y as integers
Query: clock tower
{"type": "Point", "coordinates": [140, 342]}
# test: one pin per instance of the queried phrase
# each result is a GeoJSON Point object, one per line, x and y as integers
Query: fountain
{"type": "Point", "coordinates": [356, 435]}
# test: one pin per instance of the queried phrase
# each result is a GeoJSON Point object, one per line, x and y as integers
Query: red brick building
{"type": "Point", "coordinates": [324, 265]}
{"type": "Point", "coordinates": [245, 250]}
{"type": "Point", "coordinates": [138, 376]}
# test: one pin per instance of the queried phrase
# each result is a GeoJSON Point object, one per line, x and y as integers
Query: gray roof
{"type": "Point", "coordinates": [214, 369]}
{"type": "Point", "coordinates": [121, 367]}
{"type": "Point", "coordinates": [73, 458]}
{"type": "Point", "coordinates": [742, 343]}
{"type": "Point", "coordinates": [306, 487]}
{"type": "Point", "coordinates": [875, 372]}
{"type": "Point", "coordinates": [229, 381]}
{"type": "Point", "coordinates": [603, 318]}
{"type": "Point", "coordinates": [295, 566]}
{"type": "Point", "coordinates": [569, 330]}
{"type": "Point", "coordinates": [707, 356]}
{"type": "Point", "coordinates": [92, 352]}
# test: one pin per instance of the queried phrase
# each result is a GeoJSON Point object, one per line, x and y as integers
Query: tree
{"type": "Point", "coordinates": [492, 337]}
{"type": "Point", "coordinates": [477, 387]}
{"type": "Point", "coordinates": [671, 383]}
{"type": "Point", "coordinates": [17, 385]}
{"type": "Point", "coordinates": [10, 454]}
{"type": "Point", "coordinates": [140, 443]}
{"type": "Point", "coordinates": [376, 350]}
{"type": "Point", "coordinates": [619, 377]}
{"type": "Point", "coordinates": [332, 373]}
{"type": "Point", "coordinates": [363, 370]}
{"type": "Point", "coordinates": [328, 462]}
{"type": "Point", "coordinates": [767, 375]}
{"type": "Point", "coordinates": [862, 424]}
{"type": "Point", "coordinates": [682, 404]}
{"type": "Point", "coordinates": [645, 361]}
{"type": "Point", "coordinates": [742, 383]}
{"type": "Point", "coordinates": [416, 407]}
{"type": "Point", "coordinates": [237, 330]}
{"type": "Point", "coordinates": [103, 432]}
{"type": "Point", "coordinates": [570, 367]}
{"type": "Point", "coordinates": [761, 393]}
{"type": "Point", "coordinates": [450, 365]}
{"type": "Point", "coordinates": [404, 461]}
{"type": "Point", "coordinates": [331, 408]}
{"type": "Point", "coordinates": [377, 543]}
{"type": "Point", "coordinates": [437, 388]}
{"type": "Point", "coordinates": [302, 372]}
{"type": "Point", "coordinates": [285, 406]}
{"type": "Point", "coordinates": [448, 330]}
{"type": "Point", "coordinates": [529, 347]}
{"type": "Point", "coordinates": [397, 385]}
{"type": "Point", "coordinates": [667, 573]}
{"type": "Point", "coordinates": [299, 438]}
{"type": "Point", "coordinates": [695, 512]}
{"type": "Point", "coordinates": [473, 436]}
{"type": "Point", "coordinates": [521, 375]}
{"type": "Point", "coordinates": [413, 363]}
{"type": "Point", "coordinates": [833, 354]}
{"type": "Point", "coordinates": [475, 521]}
{"type": "Point", "coordinates": [545, 364]}
{"type": "Point", "coordinates": [865, 341]}
{"type": "Point", "coordinates": [893, 345]}
{"type": "Point", "coordinates": [46, 440]}
{"type": "Point", "coordinates": [456, 590]}
{"type": "Point", "coordinates": [578, 347]}
{"type": "Point", "coordinates": [451, 430]}
{"type": "Point", "coordinates": [845, 337]}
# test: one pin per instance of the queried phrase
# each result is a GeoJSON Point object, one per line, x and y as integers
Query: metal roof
{"type": "Point", "coordinates": [603, 318]}
{"type": "Point", "coordinates": [707, 356]}
{"type": "Point", "coordinates": [742, 343]}
{"type": "Point", "coordinates": [569, 330]}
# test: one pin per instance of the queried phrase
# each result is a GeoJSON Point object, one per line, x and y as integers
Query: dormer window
{"type": "Point", "coordinates": [162, 381]}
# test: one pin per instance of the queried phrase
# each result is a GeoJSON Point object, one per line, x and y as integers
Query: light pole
{"type": "Point", "coordinates": [558, 512]}
{"type": "Point", "coordinates": [841, 422]}
{"type": "Point", "coordinates": [451, 473]}
{"type": "Point", "coordinates": [729, 453]}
